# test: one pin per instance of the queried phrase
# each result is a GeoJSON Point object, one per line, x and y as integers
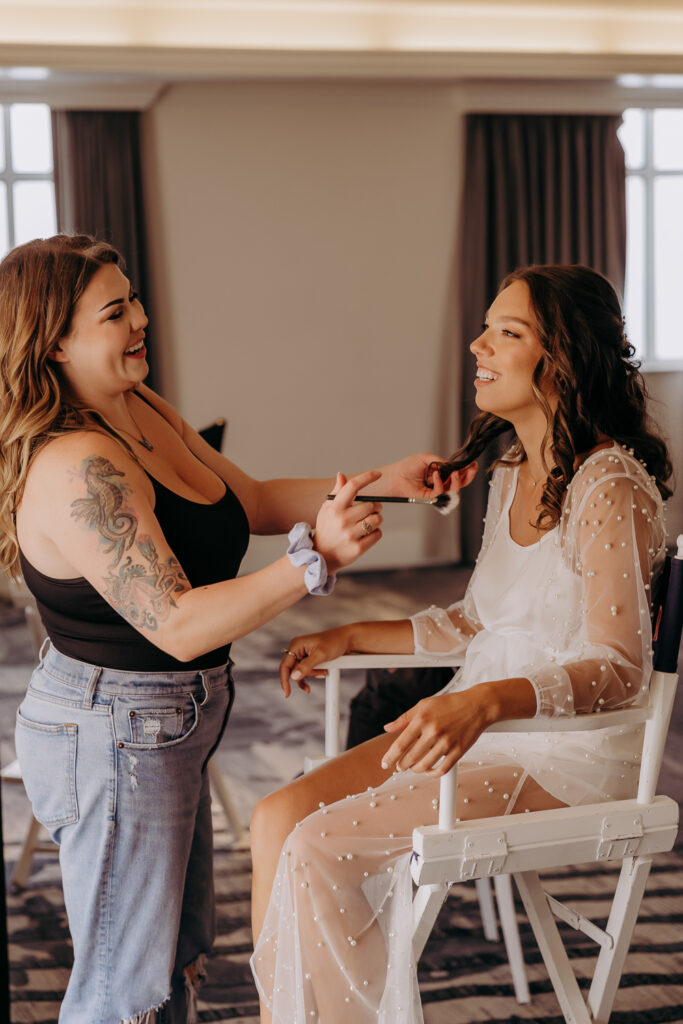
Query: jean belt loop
{"type": "Point", "coordinates": [43, 650]}
{"type": "Point", "coordinates": [91, 687]}
{"type": "Point", "coordinates": [207, 687]}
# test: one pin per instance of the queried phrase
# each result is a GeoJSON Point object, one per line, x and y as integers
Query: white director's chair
{"type": "Point", "coordinates": [521, 845]}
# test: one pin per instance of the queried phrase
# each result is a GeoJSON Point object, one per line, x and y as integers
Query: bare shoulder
{"type": "Point", "coordinates": [69, 449]}
{"type": "Point", "coordinates": [65, 464]}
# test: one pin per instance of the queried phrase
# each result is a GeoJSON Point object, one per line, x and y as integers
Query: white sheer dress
{"type": "Point", "coordinates": [572, 614]}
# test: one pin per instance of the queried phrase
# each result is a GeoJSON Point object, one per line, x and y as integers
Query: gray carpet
{"type": "Point", "coordinates": [463, 977]}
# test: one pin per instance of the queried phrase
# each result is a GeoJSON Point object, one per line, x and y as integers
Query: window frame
{"type": "Point", "coordinates": [8, 175]}
{"type": "Point", "coordinates": [649, 174]}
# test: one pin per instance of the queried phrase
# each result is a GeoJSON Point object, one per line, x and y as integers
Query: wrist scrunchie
{"type": "Point", "coordinates": [301, 552]}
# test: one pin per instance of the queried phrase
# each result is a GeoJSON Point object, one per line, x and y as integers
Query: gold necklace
{"type": "Point", "coordinates": [534, 483]}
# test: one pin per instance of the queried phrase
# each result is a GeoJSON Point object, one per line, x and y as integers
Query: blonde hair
{"type": "Point", "coordinates": [40, 284]}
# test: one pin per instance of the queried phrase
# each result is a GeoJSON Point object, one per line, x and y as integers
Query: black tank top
{"type": "Point", "coordinates": [209, 541]}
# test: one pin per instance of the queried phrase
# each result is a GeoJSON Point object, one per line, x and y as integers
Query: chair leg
{"type": "Point", "coordinates": [622, 920]}
{"type": "Point", "coordinates": [552, 949]}
{"type": "Point", "coordinates": [426, 906]}
{"type": "Point", "coordinates": [23, 864]}
{"type": "Point", "coordinates": [513, 946]}
{"type": "Point", "coordinates": [487, 909]}
{"type": "Point", "coordinates": [221, 792]}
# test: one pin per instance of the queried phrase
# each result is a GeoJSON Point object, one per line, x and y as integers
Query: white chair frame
{"type": "Point", "coordinates": [521, 845]}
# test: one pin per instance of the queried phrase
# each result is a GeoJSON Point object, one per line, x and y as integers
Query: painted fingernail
{"type": "Point", "coordinates": [385, 766]}
{"type": "Point", "coordinates": [295, 674]}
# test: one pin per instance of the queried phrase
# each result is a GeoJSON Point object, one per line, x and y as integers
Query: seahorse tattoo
{"type": "Point", "coordinates": [102, 510]}
{"type": "Point", "coordinates": [141, 592]}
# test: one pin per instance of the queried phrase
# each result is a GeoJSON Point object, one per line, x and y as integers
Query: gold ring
{"type": "Point", "coordinates": [367, 528]}
{"type": "Point", "coordinates": [286, 650]}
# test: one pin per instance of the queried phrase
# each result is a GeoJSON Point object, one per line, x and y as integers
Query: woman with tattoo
{"type": "Point", "coordinates": [129, 530]}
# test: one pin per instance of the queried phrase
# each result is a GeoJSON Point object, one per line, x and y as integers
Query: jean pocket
{"type": "Point", "coordinates": [47, 756]}
{"type": "Point", "coordinates": [155, 727]}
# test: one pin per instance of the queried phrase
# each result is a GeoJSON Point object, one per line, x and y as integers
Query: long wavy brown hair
{"type": "Point", "coordinates": [601, 393]}
{"type": "Point", "coordinates": [40, 284]}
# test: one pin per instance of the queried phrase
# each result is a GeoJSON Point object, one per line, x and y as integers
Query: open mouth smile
{"type": "Point", "coordinates": [485, 376]}
{"type": "Point", "coordinates": [136, 350]}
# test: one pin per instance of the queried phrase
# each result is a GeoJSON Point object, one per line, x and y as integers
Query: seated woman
{"type": "Point", "coordinates": [555, 621]}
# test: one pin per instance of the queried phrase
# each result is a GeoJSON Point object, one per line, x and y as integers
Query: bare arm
{"type": "Point", "coordinates": [101, 520]}
{"type": "Point", "coordinates": [447, 725]}
{"type": "Point", "coordinates": [304, 653]}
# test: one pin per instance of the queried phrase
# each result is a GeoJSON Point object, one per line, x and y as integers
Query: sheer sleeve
{"type": "Point", "coordinates": [612, 536]}
{"type": "Point", "coordinates": [439, 631]}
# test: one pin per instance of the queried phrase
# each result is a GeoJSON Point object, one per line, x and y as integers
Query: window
{"type": "Point", "coordinates": [27, 190]}
{"type": "Point", "coordinates": [653, 146]}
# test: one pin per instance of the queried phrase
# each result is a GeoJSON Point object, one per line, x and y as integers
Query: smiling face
{"type": "Point", "coordinates": [508, 351]}
{"type": "Point", "coordinates": [103, 355]}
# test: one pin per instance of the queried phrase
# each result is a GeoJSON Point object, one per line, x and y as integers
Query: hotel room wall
{"type": "Point", "coordinates": [303, 269]}
{"type": "Point", "coordinates": [303, 282]}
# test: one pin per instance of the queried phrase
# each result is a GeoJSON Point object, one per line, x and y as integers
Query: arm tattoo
{"type": "Point", "coordinates": [103, 508]}
{"type": "Point", "coordinates": [143, 594]}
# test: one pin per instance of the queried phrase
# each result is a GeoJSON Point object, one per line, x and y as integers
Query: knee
{"type": "Point", "coordinates": [273, 819]}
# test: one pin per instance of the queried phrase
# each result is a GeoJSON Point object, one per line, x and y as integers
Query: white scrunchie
{"type": "Point", "coordinates": [301, 552]}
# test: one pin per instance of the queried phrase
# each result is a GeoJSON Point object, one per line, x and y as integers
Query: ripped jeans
{"type": "Point", "coordinates": [114, 764]}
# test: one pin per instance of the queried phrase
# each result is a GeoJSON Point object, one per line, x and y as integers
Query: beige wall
{"type": "Point", "coordinates": [303, 282]}
{"type": "Point", "coordinates": [303, 276]}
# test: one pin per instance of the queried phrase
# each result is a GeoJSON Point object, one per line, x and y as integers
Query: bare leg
{"type": "Point", "coordinates": [275, 816]}
{"type": "Point", "coordinates": [342, 880]}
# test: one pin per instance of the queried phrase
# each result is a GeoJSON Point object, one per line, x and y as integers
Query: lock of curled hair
{"type": "Point", "coordinates": [589, 360]}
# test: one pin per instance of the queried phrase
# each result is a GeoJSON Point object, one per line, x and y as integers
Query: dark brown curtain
{"type": "Point", "coordinates": [538, 189]}
{"type": "Point", "coordinates": [98, 184]}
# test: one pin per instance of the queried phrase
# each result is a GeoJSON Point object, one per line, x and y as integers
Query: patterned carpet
{"type": "Point", "coordinates": [464, 979]}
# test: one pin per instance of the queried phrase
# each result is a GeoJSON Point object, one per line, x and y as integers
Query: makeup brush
{"type": "Point", "coordinates": [443, 503]}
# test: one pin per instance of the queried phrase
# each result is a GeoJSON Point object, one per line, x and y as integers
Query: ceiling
{"type": "Point", "coordinates": [135, 47]}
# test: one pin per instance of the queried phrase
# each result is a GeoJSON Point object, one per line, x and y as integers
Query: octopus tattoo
{"type": "Point", "coordinates": [142, 592]}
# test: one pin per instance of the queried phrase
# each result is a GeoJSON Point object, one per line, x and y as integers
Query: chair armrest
{"type": "Point", "coordinates": [393, 661]}
{"type": "Point", "coordinates": [334, 668]}
{"type": "Point", "coordinates": [563, 723]}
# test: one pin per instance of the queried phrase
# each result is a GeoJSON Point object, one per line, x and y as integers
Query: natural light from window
{"type": "Point", "coordinates": [653, 147]}
{"type": "Point", "coordinates": [27, 191]}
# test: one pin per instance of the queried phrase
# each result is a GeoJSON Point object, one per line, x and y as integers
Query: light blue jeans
{"type": "Point", "coordinates": [114, 764]}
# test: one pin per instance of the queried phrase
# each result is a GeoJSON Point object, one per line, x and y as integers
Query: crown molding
{"type": "Point", "coordinates": [121, 53]}
{"type": "Point", "coordinates": [179, 63]}
{"type": "Point", "coordinates": [190, 31]}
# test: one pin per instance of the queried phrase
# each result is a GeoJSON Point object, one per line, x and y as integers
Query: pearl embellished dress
{"type": "Point", "coordinates": [572, 614]}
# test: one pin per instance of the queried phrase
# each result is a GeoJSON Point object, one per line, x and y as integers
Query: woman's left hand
{"type": "Point", "coordinates": [410, 478]}
{"type": "Point", "coordinates": [436, 732]}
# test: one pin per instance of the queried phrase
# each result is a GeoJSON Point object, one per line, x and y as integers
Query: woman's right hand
{"type": "Point", "coordinates": [303, 653]}
{"type": "Point", "coordinates": [345, 530]}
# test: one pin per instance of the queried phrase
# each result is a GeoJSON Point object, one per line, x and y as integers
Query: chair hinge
{"type": "Point", "coordinates": [620, 836]}
{"type": "Point", "coordinates": [490, 850]}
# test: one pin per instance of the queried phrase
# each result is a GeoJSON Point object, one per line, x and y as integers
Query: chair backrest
{"type": "Point", "coordinates": [668, 614]}
{"type": "Point", "coordinates": [667, 628]}
{"type": "Point", "coordinates": [213, 434]}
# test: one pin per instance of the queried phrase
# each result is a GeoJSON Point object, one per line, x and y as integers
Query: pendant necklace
{"type": "Point", "coordinates": [144, 441]}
